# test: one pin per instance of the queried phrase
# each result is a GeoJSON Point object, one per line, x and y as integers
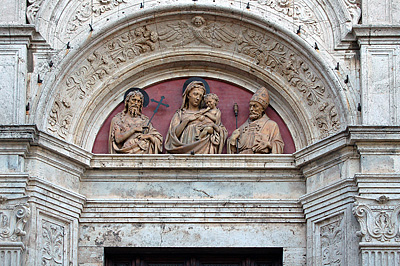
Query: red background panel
{"type": "Point", "coordinates": [172, 91]}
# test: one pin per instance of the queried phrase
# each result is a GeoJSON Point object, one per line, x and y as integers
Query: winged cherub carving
{"type": "Point", "coordinates": [197, 30]}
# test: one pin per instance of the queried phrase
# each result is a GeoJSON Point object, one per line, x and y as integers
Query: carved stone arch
{"type": "Point", "coordinates": [255, 52]}
{"type": "Point", "coordinates": [61, 21]}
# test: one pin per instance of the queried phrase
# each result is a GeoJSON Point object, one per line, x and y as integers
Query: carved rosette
{"type": "Point", "coordinates": [89, 8]}
{"type": "Point", "coordinates": [378, 222]}
{"type": "Point", "coordinates": [332, 241]}
{"type": "Point", "coordinates": [12, 221]}
{"type": "Point", "coordinates": [100, 64]}
{"type": "Point", "coordinates": [52, 249]}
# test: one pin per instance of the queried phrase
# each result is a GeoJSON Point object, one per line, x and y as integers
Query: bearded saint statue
{"type": "Point", "coordinates": [258, 134]}
{"type": "Point", "coordinates": [130, 130]}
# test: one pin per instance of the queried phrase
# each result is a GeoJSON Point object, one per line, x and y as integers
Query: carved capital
{"type": "Point", "coordinates": [379, 219]}
{"type": "Point", "coordinates": [12, 221]}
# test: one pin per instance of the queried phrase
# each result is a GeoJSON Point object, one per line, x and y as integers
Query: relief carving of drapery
{"type": "Point", "coordinates": [254, 45]}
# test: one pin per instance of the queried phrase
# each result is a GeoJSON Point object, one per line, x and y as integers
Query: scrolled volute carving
{"type": "Point", "coordinates": [12, 222]}
{"type": "Point", "coordinates": [378, 222]}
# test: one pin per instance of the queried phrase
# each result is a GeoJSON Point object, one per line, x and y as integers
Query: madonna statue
{"type": "Point", "coordinates": [192, 129]}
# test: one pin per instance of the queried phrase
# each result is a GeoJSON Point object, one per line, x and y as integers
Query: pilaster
{"type": "Point", "coordinates": [14, 43]}
{"type": "Point", "coordinates": [380, 236]}
{"type": "Point", "coordinates": [380, 65]}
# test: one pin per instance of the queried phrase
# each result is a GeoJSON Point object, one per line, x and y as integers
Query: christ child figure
{"type": "Point", "coordinates": [211, 113]}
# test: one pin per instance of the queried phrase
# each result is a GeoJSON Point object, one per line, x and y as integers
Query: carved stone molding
{"type": "Point", "coordinates": [12, 221]}
{"type": "Point", "coordinates": [248, 43]}
{"type": "Point", "coordinates": [100, 64]}
{"type": "Point", "coordinates": [379, 219]}
{"type": "Point", "coordinates": [299, 12]}
{"type": "Point", "coordinates": [89, 8]}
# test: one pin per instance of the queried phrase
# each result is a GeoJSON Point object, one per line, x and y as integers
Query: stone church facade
{"type": "Point", "coordinates": [332, 71]}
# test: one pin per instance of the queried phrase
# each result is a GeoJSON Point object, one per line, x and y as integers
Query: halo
{"type": "Point", "coordinates": [145, 95]}
{"type": "Point", "coordinates": [188, 81]}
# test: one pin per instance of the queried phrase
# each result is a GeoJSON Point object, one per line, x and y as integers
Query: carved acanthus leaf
{"type": "Point", "coordinates": [183, 33]}
{"type": "Point", "coordinates": [87, 9]}
{"type": "Point", "coordinates": [52, 244]}
{"type": "Point", "coordinates": [354, 8]}
{"type": "Point", "coordinates": [276, 57]}
{"type": "Point", "coordinates": [378, 223]}
{"type": "Point", "coordinates": [297, 11]}
{"type": "Point", "coordinates": [12, 221]}
{"type": "Point", "coordinates": [332, 241]}
{"type": "Point", "coordinates": [32, 10]}
{"type": "Point", "coordinates": [60, 118]}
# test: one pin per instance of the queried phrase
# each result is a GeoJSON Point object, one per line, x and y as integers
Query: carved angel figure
{"type": "Point", "coordinates": [198, 30]}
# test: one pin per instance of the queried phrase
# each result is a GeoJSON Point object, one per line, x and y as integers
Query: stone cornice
{"type": "Point", "coordinates": [329, 198]}
{"type": "Point", "coordinates": [50, 195]}
{"type": "Point", "coordinates": [17, 34]}
{"type": "Point", "coordinates": [377, 34]}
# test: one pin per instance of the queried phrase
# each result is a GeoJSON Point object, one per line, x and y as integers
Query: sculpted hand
{"type": "Point", "coordinates": [262, 145]}
{"type": "Point", "coordinates": [234, 136]}
{"type": "Point", "coordinates": [147, 136]}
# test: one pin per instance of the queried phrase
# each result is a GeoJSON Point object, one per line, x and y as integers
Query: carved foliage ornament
{"type": "Point", "coordinates": [297, 11]}
{"type": "Point", "coordinates": [378, 223]}
{"type": "Point", "coordinates": [99, 64]}
{"type": "Point", "coordinates": [52, 251]}
{"type": "Point", "coordinates": [32, 10]}
{"type": "Point", "coordinates": [12, 222]}
{"type": "Point", "coordinates": [90, 8]}
{"type": "Point", "coordinates": [276, 57]}
{"type": "Point", "coordinates": [332, 241]}
{"type": "Point", "coordinates": [266, 52]}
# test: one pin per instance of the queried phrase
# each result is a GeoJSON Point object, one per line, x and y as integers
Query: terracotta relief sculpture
{"type": "Point", "coordinates": [258, 134]}
{"type": "Point", "coordinates": [193, 129]}
{"type": "Point", "coordinates": [130, 130]}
